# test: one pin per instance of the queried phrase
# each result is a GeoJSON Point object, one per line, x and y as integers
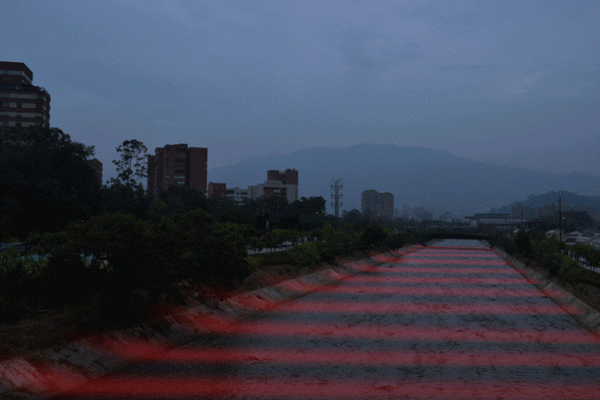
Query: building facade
{"type": "Point", "coordinates": [21, 103]}
{"type": "Point", "coordinates": [377, 205]}
{"type": "Point", "coordinates": [237, 195]}
{"type": "Point", "coordinates": [369, 202]}
{"type": "Point", "coordinates": [281, 184]}
{"type": "Point", "coordinates": [217, 189]}
{"type": "Point", "coordinates": [177, 165]}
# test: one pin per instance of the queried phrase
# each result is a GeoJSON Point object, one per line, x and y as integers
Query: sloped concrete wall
{"type": "Point", "coordinates": [97, 355]}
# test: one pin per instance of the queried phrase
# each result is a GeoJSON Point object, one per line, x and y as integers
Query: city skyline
{"type": "Point", "coordinates": [509, 83]}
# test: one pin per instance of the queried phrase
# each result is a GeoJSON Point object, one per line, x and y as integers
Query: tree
{"type": "Point", "coordinates": [310, 206]}
{"type": "Point", "coordinates": [373, 236]}
{"type": "Point", "coordinates": [125, 193]}
{"type": "Point", "coordinates": [45, 181]}
{"type": "Point", "coordinates": [181, 199]}
{"type": "Point", "coordinates": [194, 245]}
{"type": "Point", "coordinates": [132, 164]}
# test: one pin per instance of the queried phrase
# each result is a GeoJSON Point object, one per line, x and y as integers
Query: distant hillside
{"type": "Point", "coordinates": [568, 200]}
{"type": "Point", "coordinates": [416, 176]}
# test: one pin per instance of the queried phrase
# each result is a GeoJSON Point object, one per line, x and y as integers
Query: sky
{"type": "Point", "coordinates": [505, 82]}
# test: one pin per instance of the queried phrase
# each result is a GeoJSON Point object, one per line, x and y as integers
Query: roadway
{"type": "Point", "coordinates": [451, 321]}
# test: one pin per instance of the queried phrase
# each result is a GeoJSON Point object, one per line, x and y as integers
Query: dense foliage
{"type": "Point", "coordinates": [114, 247]}
{"type": "Point", "coordinates": [45, 181]}
{"type": "Point", "coordinates": [556, 258]}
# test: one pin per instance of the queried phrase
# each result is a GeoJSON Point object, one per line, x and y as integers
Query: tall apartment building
{"type": "Point", "coordinates": [378, 205]}
{"type": "Point", "coordinates": [282, 184]}
{"type": "Point", "coordinates": [21, 103]}
{"type": "Point", "coordinates": [177, 165]}
{"type": "Point", "coordinates": [369, 201]}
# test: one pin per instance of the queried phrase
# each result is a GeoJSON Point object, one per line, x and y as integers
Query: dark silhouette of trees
{"type": "Point", "coordinates": [125, 193]}
{"type": "Point", "coordinates": [45, 181]}
{"type": "Point", "coordinates": [131, 164]}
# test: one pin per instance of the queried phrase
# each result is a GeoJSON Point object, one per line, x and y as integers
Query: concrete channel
{"type": "Point", "coordinates": [454, 320]}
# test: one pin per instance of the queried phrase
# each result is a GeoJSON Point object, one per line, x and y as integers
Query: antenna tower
{"type": "Point", "coordinates": [336, 196]}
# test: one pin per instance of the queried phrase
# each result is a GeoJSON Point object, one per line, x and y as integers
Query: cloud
{"type": "Point", "coordinates": [269, 76]}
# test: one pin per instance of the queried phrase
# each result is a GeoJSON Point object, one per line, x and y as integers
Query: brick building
{"type": "Point", "coordinates": [21, 103]}
{"type": "Point", "coordinates": [177, 165]}
{"type": "Point", "coordinates": [217, 189]}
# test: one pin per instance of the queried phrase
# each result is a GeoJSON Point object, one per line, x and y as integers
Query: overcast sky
{"type": "Point", "coordinates": [508, 82]}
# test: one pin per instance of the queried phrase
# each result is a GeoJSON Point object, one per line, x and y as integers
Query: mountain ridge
{"type": "Point", "coordinates": [417, 176]}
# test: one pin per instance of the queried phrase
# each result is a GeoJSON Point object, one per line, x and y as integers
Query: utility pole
{"type": "Point", "coordinates": [560, 224]}
{"type": "Point", "coordinates": [336, 197]}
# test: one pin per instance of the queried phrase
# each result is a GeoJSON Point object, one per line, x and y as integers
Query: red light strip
{"type": "Point", "coordinates": [419, 333]}
{"type": "Point", "coordinates": [313, 306]}
{"type": "Point", "coordinates": [452, 254]}
{"type": "Point", "coordinates": [440, 280]}
{"type": "Point", "coordinates": [146, 352]}
{"type": "Point", "coordinates": [449, 261]}
{"type": "Point", "coordinates": [442, 270]}
{"type": "Point", "coordinates": [437, 291]}
{"type": "Point", "coordinates": [326, 388]}
{"type": "Point", "coordinates": [458, 249]}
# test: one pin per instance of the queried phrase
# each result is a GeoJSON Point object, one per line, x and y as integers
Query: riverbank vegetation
{"type": "Point", "coordinates": [111, 246]}
{"type": "Point", "coordinates": [573, 267]}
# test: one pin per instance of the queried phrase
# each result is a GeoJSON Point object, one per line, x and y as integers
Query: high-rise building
{"type": "Point", "coordinates": [377, 205]}
{"type": "Point", "coordinates": [177, 165]}
{"type": "Point", "coordinates": [21, 103]}
{"type": "Point", "coordinates": [282, 184]}
{"type": "Point", "coordinates": [369, 202]}
{"type": "Point", "coordinates": [386, 205]}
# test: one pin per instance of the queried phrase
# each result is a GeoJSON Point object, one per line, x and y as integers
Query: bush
{"type": "Point", "coordinates": [18, 277]}
{"type": "Point", "coordinates": [395, 240]}
{"type": "Point", "coordinates": [589, 253]}
{"type": "Point", "coordinates": [373, 237]}
{"type": "Point", "coordinates": [568, 269]}
{"type": "Point", "coordinates": [195, 246]}
{"type": "Point", "coordinates": [306, 254]}
{"type": "Point", "coordinates": [523, 244]}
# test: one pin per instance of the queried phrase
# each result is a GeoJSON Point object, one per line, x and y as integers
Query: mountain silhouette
{"type": "Point", "coordinates": [416, 176]}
